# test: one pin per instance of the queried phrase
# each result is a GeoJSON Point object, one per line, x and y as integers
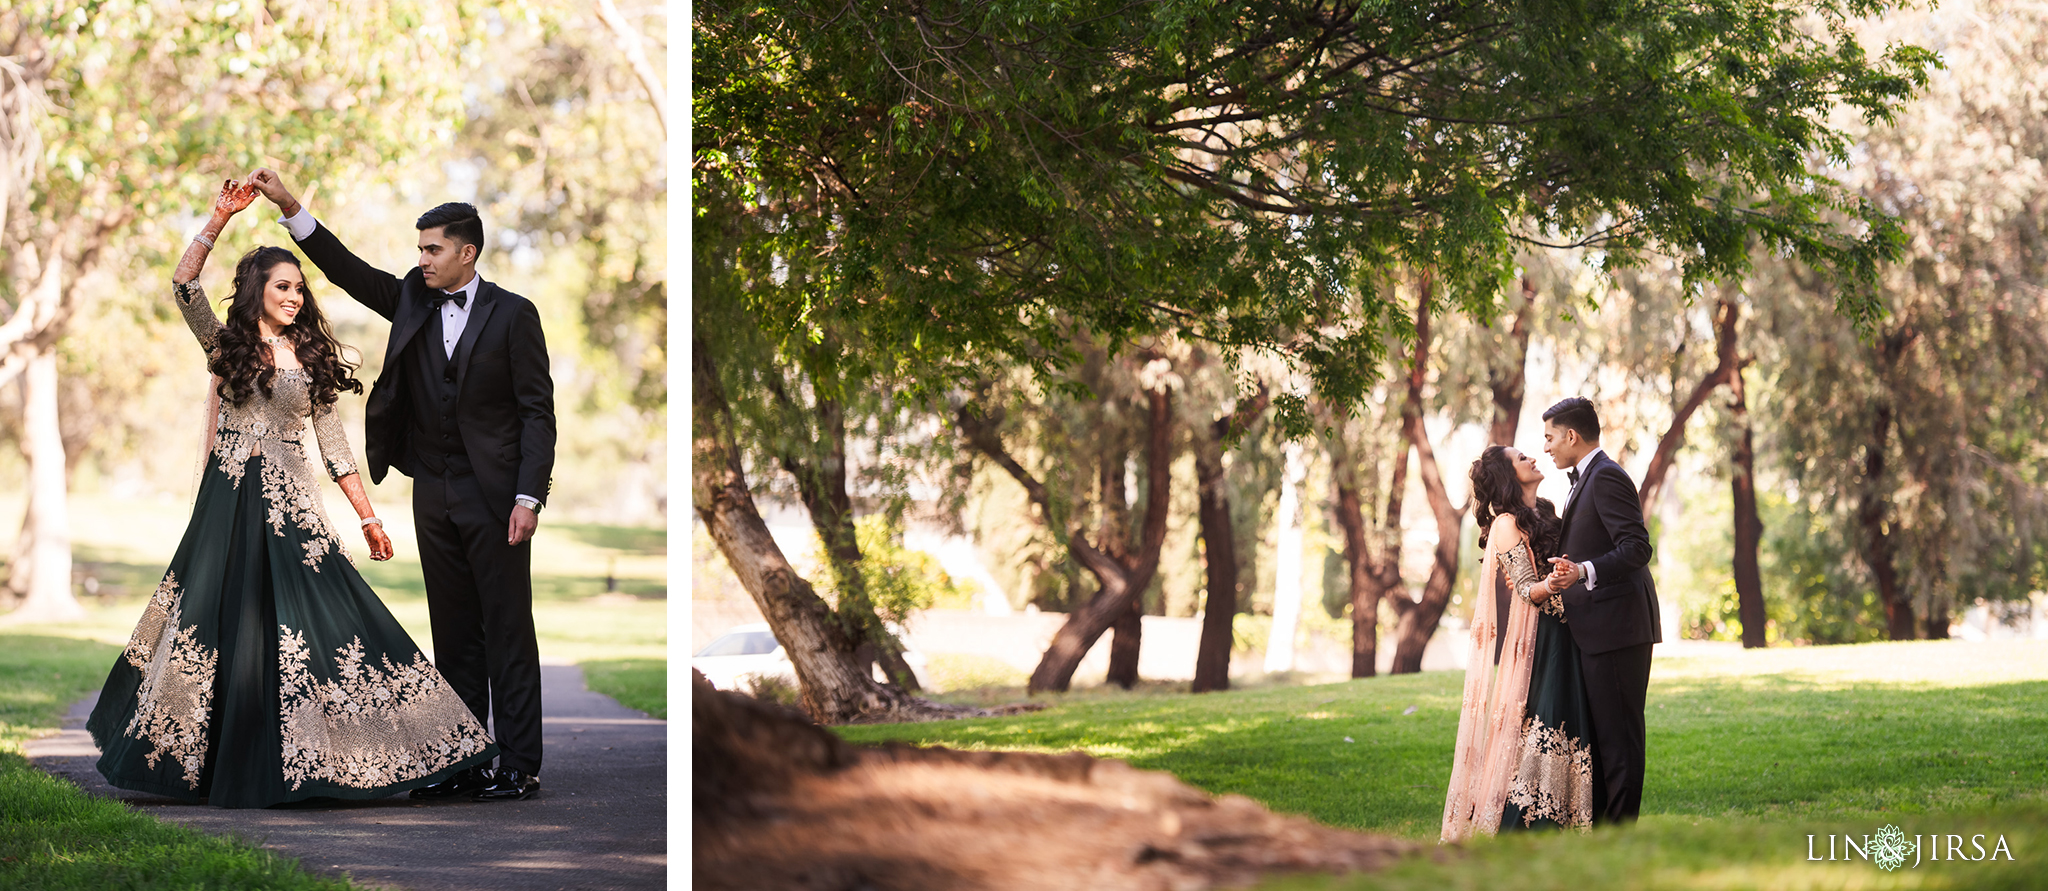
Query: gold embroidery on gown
{"type": "Point", "coordinates": [1554, 780]}
{"type": "Point", "coordinates": [175, 702]}
{"type": "Point", "coordinates": [372, 726]}
{"type": "Point", "coordinates": [276, 426]}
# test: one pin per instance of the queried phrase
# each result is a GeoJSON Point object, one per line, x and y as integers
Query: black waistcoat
{"type": "Point", "coordinates": [430, 378]}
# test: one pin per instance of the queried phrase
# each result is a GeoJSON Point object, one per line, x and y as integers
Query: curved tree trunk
{"type": "Point", "coordinates": [1219, 545]}
{"type": "Point", "coordinates": [1419, 619]}
{"type": "Point", "coordinates": [821, 485]}
{"type": "Point", "coordinates": [1121, 581]}
{"type": "Point", "coordinates": [1727, 364]}
{"type": "Point", "coordinates": [834, 688]}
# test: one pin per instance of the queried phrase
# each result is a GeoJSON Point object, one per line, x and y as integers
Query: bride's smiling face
{"type": "Point", "coordinates": [1525, 466]}
{"type": "Point", "coordinates": [283, 294]}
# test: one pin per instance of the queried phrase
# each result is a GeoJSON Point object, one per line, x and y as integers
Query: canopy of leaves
{"type": "Point", "coordinates": [961, 179]}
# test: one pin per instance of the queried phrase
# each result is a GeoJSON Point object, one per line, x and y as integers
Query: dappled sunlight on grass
{"type": "Point", "coordinates": [1817, 733]}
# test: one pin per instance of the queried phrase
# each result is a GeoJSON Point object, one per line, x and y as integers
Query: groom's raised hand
{"type": "Point", "coordinates": [271, 185]}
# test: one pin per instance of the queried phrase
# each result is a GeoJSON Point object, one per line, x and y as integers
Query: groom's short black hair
{"type": "Point", "coordinates": [459, 221]}
{"type": "Point", "coordinates": [1575, 413]}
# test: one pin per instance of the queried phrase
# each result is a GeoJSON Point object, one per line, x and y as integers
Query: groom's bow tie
{"type": "Point", "coordinates": [1573, 475]}
{"type": "Point", "coordinates": [459, 298]}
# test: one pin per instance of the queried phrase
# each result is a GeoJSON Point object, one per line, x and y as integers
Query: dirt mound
{"type": "Point", "coordinates": [781, 803]}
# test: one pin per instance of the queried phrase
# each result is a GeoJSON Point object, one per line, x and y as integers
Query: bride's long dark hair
{"type": "Point", "coordinates": [244, 362]}
{"type": "Point", "coordinates": [1496, 489]}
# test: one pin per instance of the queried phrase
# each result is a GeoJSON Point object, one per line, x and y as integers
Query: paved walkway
{"type": "Point", "coordinates": [599, 821]}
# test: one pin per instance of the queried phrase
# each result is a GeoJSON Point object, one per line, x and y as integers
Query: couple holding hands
{"type": "Point", "coordinates": [264, 670]}
{"type": "Point", "coordinates": [1552, 731]}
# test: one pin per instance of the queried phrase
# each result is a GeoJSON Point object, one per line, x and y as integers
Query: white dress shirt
{"type": "Point", "coordinates": [1585, 462]}
{"type": "Point", "coordinates": [454, 317]}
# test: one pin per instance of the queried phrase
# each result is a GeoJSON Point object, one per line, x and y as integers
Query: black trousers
{"type": "Point", "coordinates": [480, 598]}
{"type": "Point", "coordinates": [1617, 685]}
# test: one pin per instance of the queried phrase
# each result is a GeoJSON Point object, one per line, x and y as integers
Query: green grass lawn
{"type": "Point", "coordinates": [1748, 753]}
{"type": "Point", "coordinates": [53, 836]}
{"type": "Point", "coordinates": [636, 683]}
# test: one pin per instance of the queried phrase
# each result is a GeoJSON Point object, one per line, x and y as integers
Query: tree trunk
{"type": "Point", "coordinates": [834, 688]}
{"type": "Point", "coordinates": [47, 588]}
{"type": "Point", "coordinates": [1369, 578]}
{"type": "Point", "coordinates": [821, 485]}
{"type": "Point", "coordinates": [1727, 364]}
{"type": "Point", "coordinates": [1120, 581]}
{"type": "Point", "coordinates": [1508, 378]}
{"type": "Point", "coordinates": [1878, 549]}
{"type": "Point", "coordinates": [1126, 633]}
{"type": "Point", "coordinates": [1419, 619]}
{"type": "Point", "coordinates": [1749, 528]}
{"type": "Point", "coordinates": [1125, 637]}
{"type": "Point", "coordinates": [1219, 546]}
{"type": "Point", "coordinates": [1937, 621]}
{"type": "Point", "coordinates": [1219, 558]}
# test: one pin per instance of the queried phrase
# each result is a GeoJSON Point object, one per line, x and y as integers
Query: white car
{"type": "Point", "coordinates": [743, 651]}
{"type": "Point", "coordinates": [746, 651]}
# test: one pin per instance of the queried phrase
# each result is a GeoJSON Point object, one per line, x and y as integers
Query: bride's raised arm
{"type": "Point", "coordinates": [233, 198]}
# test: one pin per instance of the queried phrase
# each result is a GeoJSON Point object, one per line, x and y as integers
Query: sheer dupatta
{"type": "Point", "coordinates": [209, 435]}
{"type": "Point", "coordinates": [1490, 722]}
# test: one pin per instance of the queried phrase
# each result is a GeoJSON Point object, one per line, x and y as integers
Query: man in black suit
{"type": "Point", "coordinates": [465, 407]}
{"type": "Point", "coordinates": [1611, 604]}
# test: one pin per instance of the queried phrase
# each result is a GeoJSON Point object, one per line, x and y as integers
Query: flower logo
{"type": "Point", "coordinates": [1888, 849]}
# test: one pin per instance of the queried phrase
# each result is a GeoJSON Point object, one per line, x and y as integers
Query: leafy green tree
{"type": "Point", "coordinates": [121, 119]}
{"type": "Point", "coordinates": [1914, 445]}
{"type": "Point", "coordinates": [975, 180]}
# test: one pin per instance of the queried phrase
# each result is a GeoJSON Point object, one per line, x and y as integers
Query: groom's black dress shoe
{"type": "Point", "coordinates": [510, 785]}
{"type": "Point", "coordinates": [463, 782]}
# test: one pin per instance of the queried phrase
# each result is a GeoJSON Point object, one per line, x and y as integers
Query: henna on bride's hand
{"type": "Point", "coordinates": [234, 197]}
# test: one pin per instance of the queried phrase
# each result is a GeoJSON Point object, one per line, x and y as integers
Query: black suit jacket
{"type": "Point", "coordinates": [505, 399]}
{"type": "Point", "coordinates": [1603, 525]}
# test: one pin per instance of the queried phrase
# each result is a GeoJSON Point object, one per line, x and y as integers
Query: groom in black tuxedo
{"type": "Point", "coordinates": [1611, 604]}
{"type": "Point", "coordinates": [465, 407]}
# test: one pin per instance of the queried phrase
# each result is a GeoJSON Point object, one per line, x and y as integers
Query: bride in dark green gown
{"type": "Point", "coordinates": [1524, 756]}
{"type": "Point", "coordinates": [264, 669]}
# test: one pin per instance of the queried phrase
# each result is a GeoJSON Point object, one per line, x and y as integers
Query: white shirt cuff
{"type": "Point", "coordinates": [1587, 567]}
{"type": "Point", "coordinates": [531, 502]}
{"type": "Point", "coordinates": [300, 224]}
